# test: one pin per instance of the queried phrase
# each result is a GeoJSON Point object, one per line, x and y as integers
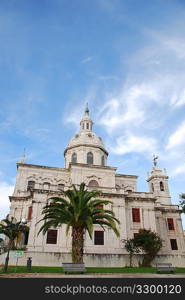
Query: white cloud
{"type": "Point", "coordinates": [174, 44]}
{"type": "Point", "coordinates": [177, 138]}
{"type": "Point", "coordinates": [6, 190]}
{"type": "Point", "coordinates": [179, 170]}
{"type": "Point", "coordinates": [181, 100]}
{"type": "Point", "coordinates": [87, 59]}
{"type": "Point", "coordinates": [110, 115]}
{"type": "Point", "coordinates": [134, 144]}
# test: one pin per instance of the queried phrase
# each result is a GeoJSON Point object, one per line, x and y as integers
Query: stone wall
{"type": "Point", "coordinates": [90, 260]}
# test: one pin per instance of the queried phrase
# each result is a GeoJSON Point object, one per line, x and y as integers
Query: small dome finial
{"type": "Point", "coordinates": [87, 109]}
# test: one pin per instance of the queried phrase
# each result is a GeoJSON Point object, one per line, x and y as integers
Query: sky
{"type": "Point", "coordinates": [126, 58]}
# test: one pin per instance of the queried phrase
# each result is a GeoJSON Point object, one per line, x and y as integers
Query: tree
{"type": "Point", "coordinates": [11, 229]}
{"type": "Point", "coordinates": [79, 210]}
{"type": "Point", "coordinates": [131, 247]}
{"type": "Point", "coordinates": [150, 243]}
{"type": "Point", "coordinates": [182, 202]}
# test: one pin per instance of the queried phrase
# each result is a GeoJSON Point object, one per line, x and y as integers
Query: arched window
{"type": "Point", "coordinates": [103, 160]}
{"type": "Point", "coordinates": [152, 187]}
{"type": "Point", "coordinates": [31, 184]}
{"type": "Point", "coordinates": [46, 185]}
{"type": "Point", "coordinates": [89, 158]}
{"type": "Point", "coordinates": [161, 186]}
{"type": "Point", "coordinates": [93, 183]}
{"type": "Point", "coordinates": [74, 158]}
{"type": "Point", "coordinates": [87, 125]}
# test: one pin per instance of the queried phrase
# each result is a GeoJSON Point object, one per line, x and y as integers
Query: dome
{"type": "Point", "coordinates": [86, 147]}
{"type": "Point", "coordinates": [86, 138]}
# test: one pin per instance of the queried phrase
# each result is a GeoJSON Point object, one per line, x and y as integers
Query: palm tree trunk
{"type": "Point", "coordinates": [6, 261]}
{"type": "Point", "coordinates": [77, 245]}
{"type": "Point", "coordinates": [130, 258]}
{"type": "Point", "coordinates": [10, 245]}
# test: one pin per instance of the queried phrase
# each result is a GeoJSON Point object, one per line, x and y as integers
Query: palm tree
{"type": "Point", "coordinates": [182, 202]}
{"type": "Point", "coordinates": [79, 211]}
{"type": "Point", "coordinates": [11, 229]}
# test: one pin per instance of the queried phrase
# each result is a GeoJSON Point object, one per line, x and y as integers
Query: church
{"type": "Point", "coordinates": [86, 160]}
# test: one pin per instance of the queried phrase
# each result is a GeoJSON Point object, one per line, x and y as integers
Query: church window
{"type": "Point", "coordinates": [51, 236]}
{"type": "Point", "coordinates": [173, 243]}
{"type": "Point", "coordinates": [103, 160]}
{"type": "Point", "coordinates": [170, 224]}
{"type": "Point", "coordinates": [87, 125]}
{"type": "Point", "coordinates": [46, 185]}
{"type": "Point", "coordinates": [31, 184]}
{"type": "Point", "coordinates": [89, 158]}
{"type": "Point", "coordinates": [30, 209]}
{"type": "Point", "coordinates": [99, 237]}
{"type": "Point", "coordinates": [161, 186]}
{"type": "Point", "coordinates": [61, 187]}
{"type": "Point", "coordinates": [74, 158]}
{"type": "Point", "coordinates": [93, 183]}
{"type": "Point", "coordinates": [136, 215]}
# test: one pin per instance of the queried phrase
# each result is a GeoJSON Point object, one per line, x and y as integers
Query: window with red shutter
{"type": "Point", "coordinates": [51, 236]}
{"type": "Point", "coordinates": [170, 224]}
{"type": "Point", "coordinates": [30, 213]}
{"type": "Point", "coordinates": [99, 237]}
{"type": "Point", "coordinates": [136, 215]}
{"type": "Point", "coordinates": [99, 206]}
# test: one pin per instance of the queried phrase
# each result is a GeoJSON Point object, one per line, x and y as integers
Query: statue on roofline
{"type": "Point", "coordinates": [155, 158]}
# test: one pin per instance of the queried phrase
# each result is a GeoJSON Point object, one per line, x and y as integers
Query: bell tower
{"type": "Point", "coordinates": [158, 183]}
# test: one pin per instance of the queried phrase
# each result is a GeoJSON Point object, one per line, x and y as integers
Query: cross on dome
{"type": "Point", "coordinates": [86, 123]}
{"type": "Point", "coordinates": [87, 109]}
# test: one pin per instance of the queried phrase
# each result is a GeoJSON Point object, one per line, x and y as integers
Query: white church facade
{"type": "Point", "coordinates": [86, 161]}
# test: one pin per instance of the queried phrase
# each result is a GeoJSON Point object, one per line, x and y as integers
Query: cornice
{"type": "Point", "coordinates": [86, 145]}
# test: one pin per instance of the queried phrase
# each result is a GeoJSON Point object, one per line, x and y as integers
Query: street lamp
{"type": "Point", "coordinates": [23, 221]}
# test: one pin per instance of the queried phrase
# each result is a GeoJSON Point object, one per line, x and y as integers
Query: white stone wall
{"type": "Point", "coordinates": [126, 182]}
{"type": "Point", "coordinates": [90, 260]}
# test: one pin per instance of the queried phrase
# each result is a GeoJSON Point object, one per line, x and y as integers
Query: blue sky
{"type": "Point", "coordinates": [125, 58]}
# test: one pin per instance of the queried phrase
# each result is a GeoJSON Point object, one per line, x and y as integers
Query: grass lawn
{"type": "Point", "coordinates": [38, 269]}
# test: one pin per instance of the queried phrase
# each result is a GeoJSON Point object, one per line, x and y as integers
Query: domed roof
{"type": "Point", "coordinates": [86, 138]}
